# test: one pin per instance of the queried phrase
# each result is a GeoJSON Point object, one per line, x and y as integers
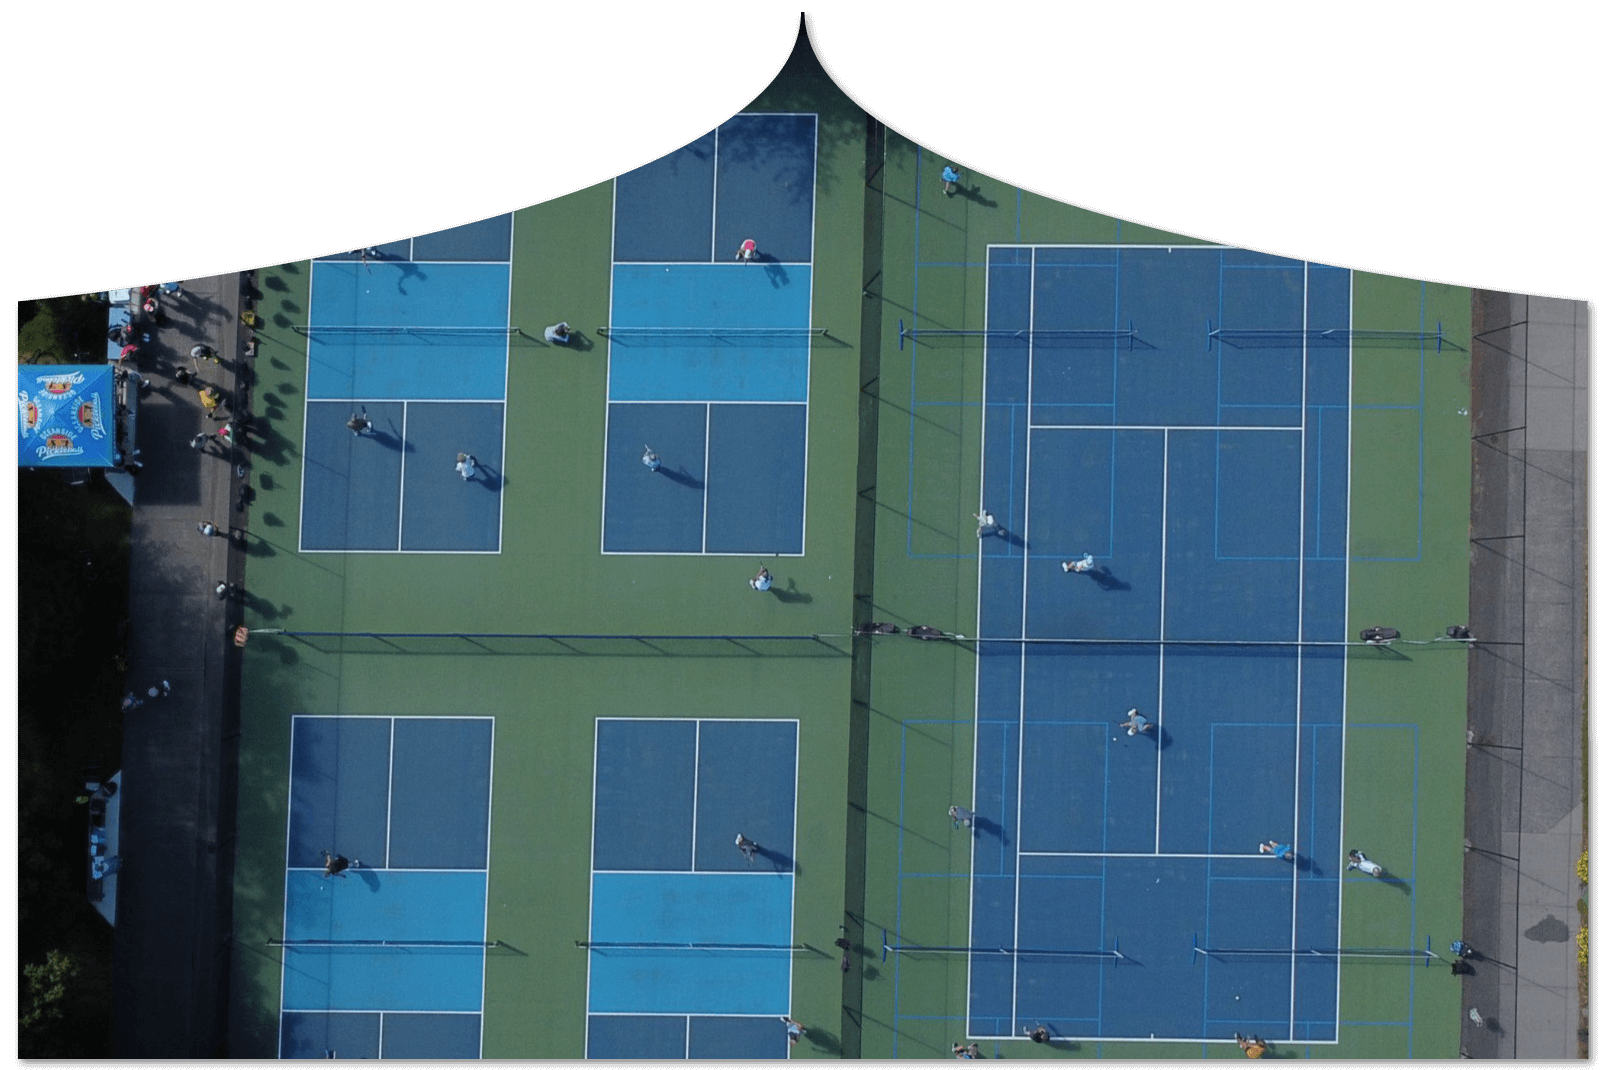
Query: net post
{"type": "Point", "coordinates": [1427, 952]}
{"type": "Point", "coordinates": [1439, 345]}
{"type": "Point", "coordinates": [1131, 334]}
{"type": "Point", "coordinates": [1209, 336]}
{"type": "Point", "coordinates": [1193, 956]}
{"type": "Point", "coordinates": [901, 333]}
{"type": "Point", "coordinates": [884, 946]}
{"type": "Point", "coordinates": [1116, 950]}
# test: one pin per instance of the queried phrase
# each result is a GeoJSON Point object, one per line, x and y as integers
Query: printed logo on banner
{"type": "Point", "coordinates": [58, 444]}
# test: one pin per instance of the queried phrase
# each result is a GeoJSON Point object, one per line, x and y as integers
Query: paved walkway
{"type": "Point", "coordinates": [1525, 689]}
{"type": "Point", "coordinates": [170, 966]}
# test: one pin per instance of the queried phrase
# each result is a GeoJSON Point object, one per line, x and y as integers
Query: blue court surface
{"type": "Point", "coordinates": [1210, 484]}
{"type": "Point", "coordinates": [390, 956]}
{"type": "Point", "coordinates": [691, 940]}
{"type": "Point", "coordinates": [422, 349]}
{"type": "Point", "coordinates": [708, 359]}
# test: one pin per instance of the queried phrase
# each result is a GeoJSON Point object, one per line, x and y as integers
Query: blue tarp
{"type": "Point", "coordinates": [66, 416]}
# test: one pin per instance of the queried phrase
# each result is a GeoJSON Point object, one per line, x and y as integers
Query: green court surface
{"type": "Point", "coordinates": [886, 727]}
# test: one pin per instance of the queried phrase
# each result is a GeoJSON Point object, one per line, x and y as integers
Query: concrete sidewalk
{"type": "Point", "coordinates": [170, 951]}
{"type": "Point", "coordinates": [1525, 688]}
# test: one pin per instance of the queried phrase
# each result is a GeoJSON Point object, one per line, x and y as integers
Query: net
{"type": "Point", "coordinates": [711, 336]}
{"type": "Point", "coordinates": [676, 945]}
{"type": "Point", "coordinates": [568, 644]}
{"type": "Point", "coordinates": [377, 944]}
{"type": "Point", "coordinates": [1336, 338]}
{"type": "Point", "coordinates": [1063, 339]}
{"type": "Point", "coordinates": [405, 335]}
{"type": "Point", "coordinates": [889, 948]}
{"type": "Point", "coordinates": [1426, 954]}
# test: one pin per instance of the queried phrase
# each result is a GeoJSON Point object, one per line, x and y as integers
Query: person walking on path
{"type": "Point", "coordinates": [1135, 722]}
{"type": "Point", "coordinates": [794, 1029]}
{"type": "Point", "coordinates": [558, 334]}
{"type": "Point", "coordinates": [207, 528]}
{"type": "Point", "coordinates": [950, 179]}
{"type": "Point", "coordinates": [1277, 850]}
{"type": "Point", "coordinates": [360, 424]}
{"type": "Point", "coordinates": [986, 524]}
{"type": "Point", "coordinates": [336, 865]}
{"type": "Point", "coordinates": [747, 847]}
{"type": "Point", "coordinates": [132, 701]}
{"type": "Point", "coordinates": [748, 252]}
{"type": "Point", "coordinates": [198, 443]}
{"type": "Point", "coordinates": [466, 465]}
{"type": "Point", "coordinates": [225, 590]}
{"type": "Point", "coordinates": [961, 816]}
{"type": "Point", "coordinates": [650, 459]}
{"type": "Point", "coordinates": [762, 581]}
{"type": "Point", "coordinates": [1081, 564]}
{"type": "Point", "coordinates": [1359, 861]}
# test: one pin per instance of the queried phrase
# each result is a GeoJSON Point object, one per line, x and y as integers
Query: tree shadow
{"type": "Point", "coordinates": [790, 593]}
{"type": "Point", "coordinates": [680, 476]}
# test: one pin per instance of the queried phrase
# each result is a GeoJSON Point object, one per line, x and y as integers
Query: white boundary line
{"type": "Point", "coordinates": [1144, 854]}
{"type": "Point", "coordinates": [975, 743]}
{"type": "Point", "coordinates": [696, 784]}
{"type": "Point", "coordinates": [390, 787]}
{"type": "Point", "coordinates": [1343, 734]}
{"type": "Point", "coordinates": [607, 392]}
{"type": "Point", "coordinates": [1159, 710]}
{"type": "Point", "coordinates": [713, 200]}
{"type": "Point", "coordinates": [1164, 427]}
{"type": "Point", "coordinates": [401, 484]}
{"type": "Point", "coordinates": [591, 881]}
{"type": "Point", "coordinates": [490, 806]}
{"type": "Point", "coordinates": [808, 373]}
{"type": "Point", "coordinates": [1299, 633]}
{"type": "Point", "coordinates": [708, 449]}
{"type": "Point", "coordinates": [1025, 577]}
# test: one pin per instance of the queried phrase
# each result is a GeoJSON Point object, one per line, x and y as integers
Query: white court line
{"type": "Point", "coordinates": [591, 880]}
{"type": "Point", "coordinates": [713, 208]}
{"type": "Point", "coordinates": [1159, 710]}
{"type": "Point", "coordinates": [1299, 628]}
{"type": "Point", "coordinates": [390, 787]}
{"type": "Point", "coordinates": [1343, 735]}
{"type": "Point", "coordinates": [708, 430]}
{"type": "Point", "coordinates": [401, 485]}
{"type": "Point", "coordinates": [1124, 247]}
{"type": "Point", "coordinates": [1025, 585]}
{"type": "Point", "coordinates": [1164, 427]}
{"type": "Point", "coordinates": [490, 804]}
{"type": "Point", "coordinates": [696, 785]}
{"type": "Point", "coordinates": [1143, 854]}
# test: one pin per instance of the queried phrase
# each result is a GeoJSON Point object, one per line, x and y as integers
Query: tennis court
{"type": "Point", "coordinates": [708, 358]}
{"type": "Point", "coordinates": [690, 946]}
{"type": "Point", "coordinates": [1196, 480]}
{"type": "Point", "coordinates": [386, 960]}
{"type": "Point", "coordinates": [1198, 419]}
{"type": "Point", "coordinates": [416, 335]}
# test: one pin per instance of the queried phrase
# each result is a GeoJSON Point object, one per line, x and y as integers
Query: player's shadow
{"type": "Point", "coordinates": [776, 274]}
{"type": "Point", "coordinates": [973, 194]}
{"type": "Point", "coordinates": [790, 593]}
{"type": "Point", "coordinates": [780, 861]}
{"type": "Point", "coordinates": [1005, 536]}
{"type": "Point", "coordinates": [409, 270]}
{"type": "Point", "coordinates": [990, 828]}
{"type": "Point", "coordinates": [488, 477]}
{"type": "Point", "coordinates": [684, 478]}
{"type": "Point", "coordinates": [1107, 580]}
{"type": "Point", "coordinates": [1395, 882]}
